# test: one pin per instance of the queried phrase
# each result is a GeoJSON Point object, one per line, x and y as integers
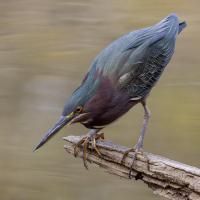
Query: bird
{"type": "Point", "coordinates": [121, 76]}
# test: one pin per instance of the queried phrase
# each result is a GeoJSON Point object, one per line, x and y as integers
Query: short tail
{"type": "Point", "coordinates": [171, 25]}
{"type": "Point", "coordinates": [182, 25]}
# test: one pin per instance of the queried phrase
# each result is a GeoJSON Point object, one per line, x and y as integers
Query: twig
{"type": "Point", "coordinates": [165, 177]}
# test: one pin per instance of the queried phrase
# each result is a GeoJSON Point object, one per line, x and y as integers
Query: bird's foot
{"type": "Point", "coordinates": [84, 142]}
{"type": "Point", "coordinates": [136, 150]}
{"type": "Point", "coordinates": [98, 136]}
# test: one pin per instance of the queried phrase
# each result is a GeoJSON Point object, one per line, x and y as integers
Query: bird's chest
{"type": "Point", "coordinates": [106, 109]}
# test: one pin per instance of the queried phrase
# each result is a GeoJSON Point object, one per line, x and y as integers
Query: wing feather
{"type": "Point", "coordinates": [109, 59]}
{"type": "Point", "coordinates": [155, 57]}
{"type": "Point", "coordinates": [136, 60]}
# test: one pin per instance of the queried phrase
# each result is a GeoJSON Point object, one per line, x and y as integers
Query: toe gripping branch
{"type": "Point", "coordinates": [84, 143]}
{"type": "Point", "coordinates": [89, 145]}
{"type": "Point", "coordinates": [167, 178]}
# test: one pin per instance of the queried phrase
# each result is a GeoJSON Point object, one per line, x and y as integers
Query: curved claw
{"type": "Point", "coordinates": [76, 146]}
{"type": "Point", "coordinates": [133, 163]}
{"type": "Point", "coordinates": [135, 151]}
{"type": "Point", "coordinates": [85, 146]}
{"type": "Point", "coordinates": [95, 147]}
{"type": "Point", "coordinates": [85, 142]}
{"type": "Point", "coordinates": [98, 136]}
{"type": "Point", "coordinates": [126, 154]}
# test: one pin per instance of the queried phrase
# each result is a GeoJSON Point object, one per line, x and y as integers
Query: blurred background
{"type": "Point", "coordinates": [45, 49]}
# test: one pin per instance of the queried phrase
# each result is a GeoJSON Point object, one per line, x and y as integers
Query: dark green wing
{"type": "Point", "coordinates": [143, 75]}
{"type": "Point", "coordinates": [135, 61]}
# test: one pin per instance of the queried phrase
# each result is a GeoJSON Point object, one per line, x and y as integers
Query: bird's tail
{"type": "Point", "coordinates": [182, 25]}
{"type": "Point", "coordinates": [60, 123]}
{"type": "Point", "coordinates": [170, 25]}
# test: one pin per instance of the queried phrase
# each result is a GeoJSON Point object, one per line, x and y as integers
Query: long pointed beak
{"type": "Point", "coordinates": [60, 123]}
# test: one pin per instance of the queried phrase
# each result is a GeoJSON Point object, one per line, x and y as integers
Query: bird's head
{"type": "Point", "coordinates": [73, 112]}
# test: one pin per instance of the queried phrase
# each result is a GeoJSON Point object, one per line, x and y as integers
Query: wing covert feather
{"type": "Point", "coordinates": [136, 60]}
{"type": "Point", "coordinates": [141, 78]}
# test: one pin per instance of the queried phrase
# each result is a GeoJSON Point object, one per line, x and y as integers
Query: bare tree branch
{"type": "Point", "coordinates": [165, 177]}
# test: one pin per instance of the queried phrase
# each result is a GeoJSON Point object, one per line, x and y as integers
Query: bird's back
{"type": "Point", "coordinates": [136, 60]}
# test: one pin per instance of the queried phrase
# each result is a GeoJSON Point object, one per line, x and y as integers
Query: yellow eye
{"type": "Point", "coordinates": [79, 109]}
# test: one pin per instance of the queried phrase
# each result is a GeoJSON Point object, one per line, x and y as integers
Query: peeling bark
{"type": "Point", "coordinates": [167, 178]}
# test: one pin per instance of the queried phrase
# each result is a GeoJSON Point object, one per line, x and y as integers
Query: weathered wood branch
{"type": "Point", "coordinates": [165, 177]}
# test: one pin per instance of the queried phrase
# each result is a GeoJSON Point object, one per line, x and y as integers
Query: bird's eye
{"type": "Point", "coordinates": [79, 109]}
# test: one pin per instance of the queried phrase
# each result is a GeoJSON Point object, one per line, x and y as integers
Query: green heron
{"type": "Point", "coordinates": [121, 76]}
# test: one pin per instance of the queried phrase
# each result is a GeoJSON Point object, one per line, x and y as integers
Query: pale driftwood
{"type": "Point", "coordinates": [165, 177]}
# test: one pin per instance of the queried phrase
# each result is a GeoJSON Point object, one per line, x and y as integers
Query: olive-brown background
{"type": "Point", "coordinates": [45, 49]}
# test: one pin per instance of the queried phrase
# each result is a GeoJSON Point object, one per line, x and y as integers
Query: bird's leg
{"type": "Point", "coordinates": [91, 136]}
{"type": "Point", "coordinates": [147, 115]}
{"type": "Point", "coordinates": [139, 145]}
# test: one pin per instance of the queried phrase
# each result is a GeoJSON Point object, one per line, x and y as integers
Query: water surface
{"type": "Point", "coordinates": [45, 49]}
